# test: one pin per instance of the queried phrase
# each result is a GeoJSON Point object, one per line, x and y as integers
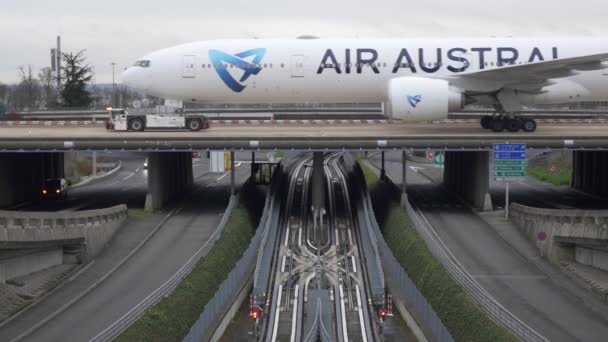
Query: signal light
{"type": "Point", "coordinates": [382, 314]}
{"type": "Point", "coordinates": [255, 314]}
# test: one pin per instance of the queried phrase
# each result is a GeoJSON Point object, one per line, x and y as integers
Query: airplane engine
{"type": "Point", "coordinates": [415, 99]}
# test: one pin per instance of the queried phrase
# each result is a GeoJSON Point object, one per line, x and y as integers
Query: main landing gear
{"type": "Point", "coordinates": [511, 124]}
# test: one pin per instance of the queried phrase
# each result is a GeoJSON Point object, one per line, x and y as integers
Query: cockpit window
{"type": "Point", "coordinates": [142, 63]}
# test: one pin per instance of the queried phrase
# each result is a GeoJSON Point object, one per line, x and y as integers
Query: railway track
{"type": "Point", "coordinates": [319, 289]}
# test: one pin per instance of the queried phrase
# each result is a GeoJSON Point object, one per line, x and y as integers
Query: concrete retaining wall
{"type": "Point", "coordinates": [591, 257]}
{"type": "Point", "coordinates": [566, 231]}
{"type": "Point", "coordinates": [95, 227]}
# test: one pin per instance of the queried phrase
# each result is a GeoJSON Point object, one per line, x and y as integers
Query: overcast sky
{"type": "Point", "coordinates": [122, 30]}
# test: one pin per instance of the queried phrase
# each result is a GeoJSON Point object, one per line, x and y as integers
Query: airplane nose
{"type": "Point", "coordinates": [127, 77]}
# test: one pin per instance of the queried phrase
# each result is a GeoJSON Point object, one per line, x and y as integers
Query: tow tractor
{"type": "Point", "coordinates": [122, 120]}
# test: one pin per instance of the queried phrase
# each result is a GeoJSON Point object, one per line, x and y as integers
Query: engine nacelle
{"type": "Point", "coordinates": [422, 99]}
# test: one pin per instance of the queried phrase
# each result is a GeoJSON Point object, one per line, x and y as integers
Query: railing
{"type": "Point", "coordinates": [241, 275]}
{"type": "Point", "coordinates": [33, 220]}
{"type": "Point", "coordinates": [494, 309]}
{"type": "Point", "coordinates": [124, 322]}
{"type": "Point", "coordinates": [402, 286]}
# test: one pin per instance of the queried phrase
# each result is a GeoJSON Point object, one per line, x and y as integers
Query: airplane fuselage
{"type": "Point", "coordinates": [351, 70]}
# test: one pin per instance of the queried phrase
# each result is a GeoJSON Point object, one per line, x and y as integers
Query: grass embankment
{"type": "Point", "coordinates": [171, 319]}
{"type": "Point", "coordinates": [554, 168]}
{"type": "Point", "coordinates": [465, 320]}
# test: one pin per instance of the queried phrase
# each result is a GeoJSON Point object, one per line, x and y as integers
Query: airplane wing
{"type": "Point", "coordinates": [530, 77]}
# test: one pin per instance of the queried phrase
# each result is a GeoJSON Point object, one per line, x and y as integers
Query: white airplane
{"type": "Point", "coordinates": [417, 79]}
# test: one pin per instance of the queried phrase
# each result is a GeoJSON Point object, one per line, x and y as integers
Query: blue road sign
{"type": "Point", "coordinates": [509, 155]}
{"type": "Point", "coordinates": [509, 147]}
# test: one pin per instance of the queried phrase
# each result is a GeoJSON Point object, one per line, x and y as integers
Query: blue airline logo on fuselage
{"type": "Point", "coordinates": [221, 60]}
{"type": "Point", "coordinates": [414, 100]}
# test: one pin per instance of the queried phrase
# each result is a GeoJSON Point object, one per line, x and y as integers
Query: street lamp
{"type": "Point", "coordinates": [113, 86]}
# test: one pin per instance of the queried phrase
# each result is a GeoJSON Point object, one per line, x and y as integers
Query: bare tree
{"type": "Point", "coordinates": [28, 91]}
{"type": "Point", "coordinates": [48, 97]}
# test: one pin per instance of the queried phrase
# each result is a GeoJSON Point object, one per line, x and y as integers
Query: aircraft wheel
{"type": "Point", "coordinates": [529, 125]}
{"type": "Point", "coordinates": [497, 125]}
{"type": "Point", "coordinates": [194, 124]}
{"type": "Point", "coordinates": [513, 124]}
{"type": "Point", "coordinates": [136, 125]}
{"type": "Point", "coordinates": [485, 122]}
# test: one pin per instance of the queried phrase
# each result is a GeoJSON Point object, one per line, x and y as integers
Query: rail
{"type": "Point", "coordinates": [124, 322]}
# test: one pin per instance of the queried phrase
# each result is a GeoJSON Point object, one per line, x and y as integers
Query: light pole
{"type": "Point", "coordinates": [113, 86]}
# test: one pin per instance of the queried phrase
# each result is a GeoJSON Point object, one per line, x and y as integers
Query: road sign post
{"type": "Point", "coordinates": [509, 165]}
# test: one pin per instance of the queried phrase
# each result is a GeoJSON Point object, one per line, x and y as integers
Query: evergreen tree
{"type": "Point", "coordinates": [76, 74]}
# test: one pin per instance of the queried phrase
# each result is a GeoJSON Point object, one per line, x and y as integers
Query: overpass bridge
{"type": "Point", "coordinates": [467, 165]}
{"type": "Point", "coordinates": [305, 135]}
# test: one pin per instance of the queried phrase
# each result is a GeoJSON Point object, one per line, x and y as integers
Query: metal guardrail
{"type": "Point", "coordinates": [495, 310]}
{"type": "Point", "coordinates": [215, 310]}
{"type": "Point", "coordinates": [124, 322]}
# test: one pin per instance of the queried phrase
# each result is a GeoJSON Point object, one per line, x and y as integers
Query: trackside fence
{"type": "Point", "coordinates": [493, 308]}
{"type": "Point", "coordinates": [401, 285]}
{"type": "Point", "coordinates": [240, 276]}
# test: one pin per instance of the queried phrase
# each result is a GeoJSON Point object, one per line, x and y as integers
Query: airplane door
{"type": "Point", "coordinates": [297, 65]}
{"type": "Point", "coordinates": [188, 63]}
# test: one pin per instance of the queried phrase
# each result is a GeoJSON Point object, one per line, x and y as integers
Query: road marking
{"type": "Point", "coordinates": [129, 176]}
{"type": "Point", "coordinates": [223, 176]}
{"type": "Point", "coordinates": [416, 168]}
{"type": "Point", "coordinates": [343, 314]}
{"type": "Point", "coordinates": [287, 236]}
{"type": "Point", "coordinates": [137, 170]}
{"type": "Point", "coordinates": [354, 264]}
{"type": "Point", "coordinates": [295, 314]}
{"type": "Point", "coordinates": [337, 239]}
{"type": "Point", "coordinates": [300, 237]}
{"type": "Point", "coordinates": [360, 309]}
{"type": "Point", "coordinates": [276, 315]}
{"type": "Point", "coordinates": [283, 264]}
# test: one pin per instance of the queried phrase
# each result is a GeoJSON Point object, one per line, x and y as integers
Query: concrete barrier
{"type": "Point", "coordinates": [93, 227]}
{"type": "Point", "coordinates": [571, 235]}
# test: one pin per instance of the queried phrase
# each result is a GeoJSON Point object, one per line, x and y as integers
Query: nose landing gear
{"type": "Point", "coordinates": [512, 124]}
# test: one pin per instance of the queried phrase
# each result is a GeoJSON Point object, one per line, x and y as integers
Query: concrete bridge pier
{"type": "Point", "coordinates": [169, 174]}
{"type": "Point", "coordinates": [467, 173]}
{"type": "Point", "coordinates": [590, 172]}
{"type": "Point", "coordinates": [22, 175]}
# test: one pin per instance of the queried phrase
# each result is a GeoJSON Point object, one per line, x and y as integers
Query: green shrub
{"type": "Point", "coordinates": [461, 315]}
{"type": "Point", "coordinates": [171, 319]}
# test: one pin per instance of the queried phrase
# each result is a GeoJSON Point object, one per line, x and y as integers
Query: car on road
{"type": "Point", "coordinates": [55, 188]}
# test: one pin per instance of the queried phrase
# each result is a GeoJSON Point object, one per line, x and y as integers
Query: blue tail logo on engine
{"type": "Point", "coordinates": [414, 100]}
{"type": "Point", "coordinates": [223, 61]}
